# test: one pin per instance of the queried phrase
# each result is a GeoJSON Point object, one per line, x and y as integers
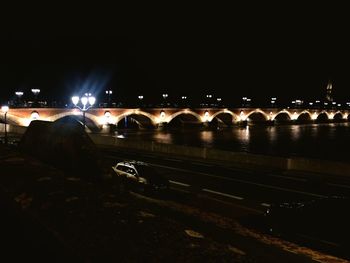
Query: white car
{"type": "Point", "coordinates": [141, 175]}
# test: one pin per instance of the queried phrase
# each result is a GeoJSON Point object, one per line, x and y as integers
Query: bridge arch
{"type": "Point", "coordinates": [91, 121]}
{"type": "Point", "coordinates": [304, 116]}
{"type": "Point", "coordinates": [282, 116]}
{"type": "Point", "coordinates": [141, 118]}
{"type": "Point", "coordinates": [234, 116]}
{"type": "Point", "coordinates": [323, 116]}
{"type": "Point", "coordinates": [184, 118]}
{"type": "Point", "coordinates": [338, 116]}
{"type": "Point", "coordinates": [184, 112]}
{"type": "Point", "coordinates": [257, 116]}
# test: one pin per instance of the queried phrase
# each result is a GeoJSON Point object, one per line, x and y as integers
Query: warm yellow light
{"type": "Point", "coordinates": [34, 115]}
{"type": "Point", "coordinates": [242, 116]}
{"type": "Point", "coordinates": [205, 118]}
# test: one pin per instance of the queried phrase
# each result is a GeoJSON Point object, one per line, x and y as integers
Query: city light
{"type": "Point", "coordinates": [19, 93]}
{"type": "Point", "coordinates": [85, 100]}
{"type": "Point", "coordinates": [140, 97]}
{"type": "Point", "coordinates": [36, 91]}
{"type": "Point", "coordinates": [162, 115]}
{"type": "Point", "coordinates": [109, 92]}
{"type": "Point", "coordinates": [206, 116]}
{"type": "Point", "coordinates": [5, 109]}
{"type": "Point", "coordinates": [75, 100]}
{"type": "Point", "coordinates": [34, 115]}
{"type": "Point", "coordinates": [165, 95]}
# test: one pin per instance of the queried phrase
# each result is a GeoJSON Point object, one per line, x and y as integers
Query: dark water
{"type": "Point", "coordinates": [323, 141]}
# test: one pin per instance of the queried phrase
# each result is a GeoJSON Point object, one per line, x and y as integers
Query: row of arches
{"type": "Point", "coordinates": [135, 119]}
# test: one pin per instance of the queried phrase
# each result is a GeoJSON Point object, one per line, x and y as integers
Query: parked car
{"type": "Point", "coordinates": [326, 219]}
{"type": "Point", "coordinates": [141, 175]}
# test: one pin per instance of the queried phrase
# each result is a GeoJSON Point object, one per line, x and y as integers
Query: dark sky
{"type": "Point", "coordinates": [257, 51]}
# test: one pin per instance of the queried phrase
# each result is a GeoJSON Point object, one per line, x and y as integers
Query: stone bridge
{"type": "Point", "coordinates": [100, 118]}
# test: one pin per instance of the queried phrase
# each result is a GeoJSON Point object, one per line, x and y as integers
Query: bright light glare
{"type": "Point", "coordinates": [84, 100]}
{"type": "Point", "coordinates": [5, 109]}
{"type": "Point", "coordinates": [35, 115]}
{"type": "Point", "coordinates": [75, 100]}
{"type": "Point", "coordinates": [92, 100]}
{"type": "Point", "coordinates": [19, 93]}
{"type": "Point", "coordinates": [36, 91]}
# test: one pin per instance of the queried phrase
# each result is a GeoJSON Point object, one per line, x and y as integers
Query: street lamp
{"type": "Point", "coordinates": [273, 101]}
{"type": "Point", "coordinates": [87, 101]}
{"type": "Point", "coordinates": [36, 93]}
{"type": "Point", "coordinates": [140, 97]}
{"type": "Point", "coordinates": [4, 110]}
{"type": "Point", "coordinates": [19, 94]}
{"type": "Point", "coordinates": [165, 96]}
{"type": "Point", "coordinates": [109, 93]}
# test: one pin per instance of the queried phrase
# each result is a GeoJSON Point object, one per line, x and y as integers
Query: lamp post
{"type": "Point", "coordinates": [218, 102]}
{"type": "Point", "coordinates": [165, 96]}
{"type": "Point", "coordinates": [140, 97]}
{"type": "Point", "coordinates": [19, 94]}
{"type": "Point", "coordinates": [4, 110]}
{"type": "Point", "coordinates": [87, 101]}
{"type": "Point", "coordinates": [36, 93]}
{"type": "Point", "coordinates": [109, 93]}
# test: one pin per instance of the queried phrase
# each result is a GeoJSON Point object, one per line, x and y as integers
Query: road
{"type": "Point", "coordinates": [239, 193]}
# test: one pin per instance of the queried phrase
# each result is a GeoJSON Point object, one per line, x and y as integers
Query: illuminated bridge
{"type": "Point", "coordinates": [100, 118]}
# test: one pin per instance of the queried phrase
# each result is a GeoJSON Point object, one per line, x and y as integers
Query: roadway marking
{"type": "Point", "coordinates": [179, 183]}
{"type": "Point", "coordinates": [265, 204]}
{"type": "Point", "coordinates": [222, 194]}
{"type": "Point", "coordinates": [339, 185]}
{"type": "Point", "coordinates": [287, 177]}
{"type": "Point", "coordinates": [242, 181]}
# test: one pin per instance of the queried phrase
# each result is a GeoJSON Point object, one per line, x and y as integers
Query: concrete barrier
{"type": "Point", "coordinates": [274, 162]}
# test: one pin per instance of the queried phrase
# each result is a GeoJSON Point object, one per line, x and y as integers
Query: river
{"type": "Point", "coordinates": [323, 141]}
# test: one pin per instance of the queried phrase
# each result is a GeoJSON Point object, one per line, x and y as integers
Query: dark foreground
{"type": "Point", "coordinates": [55, 217]}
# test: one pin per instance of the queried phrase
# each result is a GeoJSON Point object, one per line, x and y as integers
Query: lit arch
{"type": "Point", "coordinates": [235, 116]}
{"type": "Point", "coordinates": [323, 113]}
{"type": "Point", "coordinates": [338, 113]}
{"type": "Point", "coordinates": [305, 112]}
{"type": "Point", "coordinates": [258, 111]}
{"type": "Point", "coordinates": [185, 111]}
{"type": "Point", "coordinates": [282, 112]}
{"type": "Point", "coordinates": [75, 112]}
{"type": "Point", "coordinates": [118, 118]}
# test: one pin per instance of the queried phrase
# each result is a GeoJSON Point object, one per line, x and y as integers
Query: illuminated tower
{"type": "Point", "coordinates": [329, 96]}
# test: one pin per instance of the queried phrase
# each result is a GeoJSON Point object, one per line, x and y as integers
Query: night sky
{"type": "Point", "coordinates": [258, 51]}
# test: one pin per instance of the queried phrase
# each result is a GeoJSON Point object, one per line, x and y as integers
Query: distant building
{"type": "Point", "coordinates": [329, 90]}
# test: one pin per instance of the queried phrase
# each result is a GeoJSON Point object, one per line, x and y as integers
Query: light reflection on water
{"type": "Point", "coordinates": [326, 141]}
